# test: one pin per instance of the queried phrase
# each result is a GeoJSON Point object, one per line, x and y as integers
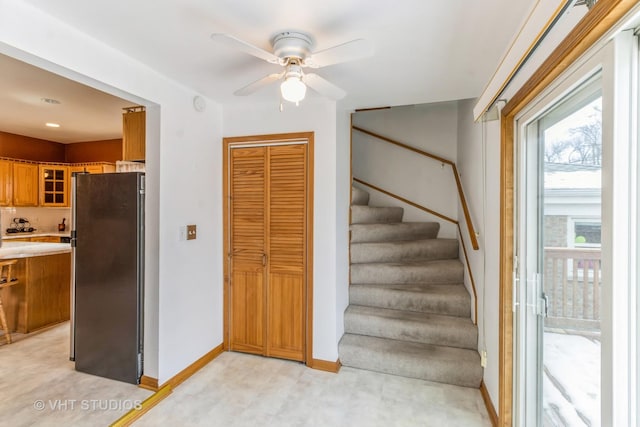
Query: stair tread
{"type": "Point", "coordinates": [406, 242]}
{"type": "Point", "coordinates": [359, 196]}
{"type": "Point", "coordinates": [414, 348]}
{"type": "Point", "coordinates": [398, 224]}
{"type": "Point", "coordinates": [438, 248]}
{"type": "Point", "coordinates": [412, 326]}
{"type": "Point", "coordinates": [451, 299]}
{"type": "Point", "coordinates": [451, 287]}
{"type": "Point", "coordinates": [410, 271]}
{"type": "Point", "coordinates": [365, 214]}
{"type": "Point", "coordinates": [393, 231]}
{"type": "Point", "coordinates": [430, 362]}
{"type": "Point", "coordinates": [415, 262]}
{"type": "Point", "coordinates": [411, 316]}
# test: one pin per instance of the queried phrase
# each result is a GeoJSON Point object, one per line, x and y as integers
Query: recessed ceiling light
{"type": "Point", "coordinates": [53, 125]}
{"type": "Point", "coordinates": [50, 101]}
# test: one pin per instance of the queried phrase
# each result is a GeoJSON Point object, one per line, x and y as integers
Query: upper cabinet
{"type": "Point", "coordinates": [25, 184]}
{"type": "Point", "coordinates": [6, 182]}
{"type": "Point", "coordinates": [133, 134]}
{"type": "Point", "coordinates": [95, 168]}
{"type": "Point", "coordinates": [54, 182]}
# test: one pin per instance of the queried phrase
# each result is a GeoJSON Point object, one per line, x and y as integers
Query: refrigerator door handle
{"type": "Point", "coordinates": [72, 346]}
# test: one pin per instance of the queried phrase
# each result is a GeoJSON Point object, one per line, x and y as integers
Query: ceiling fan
{"type": "Point", "coordinates": [294, 51]}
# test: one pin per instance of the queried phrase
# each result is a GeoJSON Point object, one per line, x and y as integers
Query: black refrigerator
{"type": "Point", "coordinates": [107, 300]}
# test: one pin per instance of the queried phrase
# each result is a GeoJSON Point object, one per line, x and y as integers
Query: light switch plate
{"type": "Point", "coordinates": [191, 232]}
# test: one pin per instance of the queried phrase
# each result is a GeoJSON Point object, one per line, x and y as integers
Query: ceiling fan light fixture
{"type": "Point", "coordinates": [293, 89]}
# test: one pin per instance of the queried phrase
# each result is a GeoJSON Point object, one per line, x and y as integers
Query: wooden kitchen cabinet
{"type": "Point", "coordinates": [25, 184]}
{"type": "Point", "coordinates": [42, 296]}
{"type": "Point", "coordinates": [99, 168]}
{"type": "Point", "coordinates": [133, 134]}
{"type": "Point", "coordinates": [6, 182]}
{"type": "Point", "coordinates": [45, 239]}
{"type": "Point", "coordinates": [54, 185]}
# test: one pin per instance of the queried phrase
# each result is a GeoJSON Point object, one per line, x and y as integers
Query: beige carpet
{"type": "Point", "coordinates": [234, 390]}
{"type": "Point", "coordinates": [244, 390]}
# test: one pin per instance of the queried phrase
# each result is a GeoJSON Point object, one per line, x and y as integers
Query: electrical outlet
{"type": "Point", "coordinates": [483, 358]}
{"type": "Point", "coordinates": [191, 232]}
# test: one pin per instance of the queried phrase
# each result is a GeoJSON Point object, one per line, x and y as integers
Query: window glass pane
{"type": "Point", "coordinates": [587, 233]}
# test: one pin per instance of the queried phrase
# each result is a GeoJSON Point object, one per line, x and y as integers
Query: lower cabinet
{"type": "Point", "coordinates": [45, 239]}
{"type": "Point", "coordinates": [42, 296]}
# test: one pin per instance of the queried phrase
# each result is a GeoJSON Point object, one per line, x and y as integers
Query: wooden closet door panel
{"type": "Point", "coordinates": [248, 216]}
{"type": "Point", "coordinates": [247, 315]}
{"type": "Point", "coordinates": [286, 250]}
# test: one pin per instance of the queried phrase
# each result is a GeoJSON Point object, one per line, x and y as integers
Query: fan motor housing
{"type": "Point", "coordinates": [292, 44]}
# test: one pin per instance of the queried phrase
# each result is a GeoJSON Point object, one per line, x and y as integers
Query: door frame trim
{"type": "Point", "coordinates": [604, 16]}
{"type": "Point", "coordinates": [266, 140]}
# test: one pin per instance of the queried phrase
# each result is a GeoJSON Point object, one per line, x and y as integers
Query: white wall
{"type": "Point", "coordinates": [479, 170]}
{"type": "Point", "coordinates": [42, 219]}
{"type": "Point", "coordinates": [330, 229]}
{"type": "Point", "coordinates": [183, 310]}
{"type": "Point", "coordinates": [429, 127]}
{"type": "Point", "coordinates": [343, 201]}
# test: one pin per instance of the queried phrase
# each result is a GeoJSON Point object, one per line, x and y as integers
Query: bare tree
{"type": "Point", "coordinates": [554, 152]}
{"type": "Point", "coordinates": [587, 141]}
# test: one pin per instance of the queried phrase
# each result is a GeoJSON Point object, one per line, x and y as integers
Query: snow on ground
{"type": "Point", "coordinates": [572, 379]}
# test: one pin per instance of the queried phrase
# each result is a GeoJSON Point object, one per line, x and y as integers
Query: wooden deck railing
{"type": "Point", "coordinates": [442, 160]}
{"type": "Point", "coordinates": [572, 281]}
{"type": "Point", "coordinates": [444, 217]}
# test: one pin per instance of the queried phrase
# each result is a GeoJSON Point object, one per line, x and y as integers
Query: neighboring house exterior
{"type": "Point", "coordinates": [572, 206]}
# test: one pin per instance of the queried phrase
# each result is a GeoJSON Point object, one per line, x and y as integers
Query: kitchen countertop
{"type": "Point", "coordinates": [11, 250]}
{"type": "Point", "coordinates": [35, 234]}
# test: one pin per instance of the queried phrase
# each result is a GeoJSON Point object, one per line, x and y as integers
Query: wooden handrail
{"type": "Point", "coordinates": [454, 170]}
{"type": "Point", "coordinates": [409, 202]}
{"type": "Point", "coordinates": [439, 215]}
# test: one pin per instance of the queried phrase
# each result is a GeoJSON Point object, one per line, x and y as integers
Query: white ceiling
{"type": "Point", "coordinates": [425, 50]}
{"type": "Point", "coordinates": [84, 114]}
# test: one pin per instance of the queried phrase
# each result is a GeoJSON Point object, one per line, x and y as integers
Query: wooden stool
{"type": "Point", "coordinates": [6, 280]}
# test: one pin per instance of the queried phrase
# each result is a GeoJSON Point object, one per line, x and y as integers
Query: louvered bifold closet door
{"type": "Point", "coordinates": [248, 211]}
{"type": "Point", "coordinates": [286, 239]}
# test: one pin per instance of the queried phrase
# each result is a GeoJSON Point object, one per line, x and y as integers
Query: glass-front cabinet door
{"type": "Point", "coordinates": [54, 185]}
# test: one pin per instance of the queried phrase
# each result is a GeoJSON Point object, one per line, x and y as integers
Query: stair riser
{"type": "Point", "coordinates": [384, 273]}
{"type": "Point", "coordinates": [375, 215]}
{"type": "Point", "coordinates": [406, 330]}
{"type": "Point", "coordinates": [359, 196]}
{"type": "Point", "coordinates": [401, 251]}
{"type": "Point", "coordinates": [465, 373]}
{"type": "Point", "coordinates": [393, 232]}
{"type": "Point", "coordinates": [458, 304]}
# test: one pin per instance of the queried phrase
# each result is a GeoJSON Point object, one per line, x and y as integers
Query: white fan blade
{"type": "Point", "coordinates": [323, 87]}
{"type": "Point", "coordinates": [258, 84]}
{"type": "Point", "coordinates": [245, 47]}
{"type": "Point", "coordinates": [349, 51]}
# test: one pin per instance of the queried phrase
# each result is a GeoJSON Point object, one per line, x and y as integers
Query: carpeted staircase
{"type": "Point", "coordinates": [409, 313]}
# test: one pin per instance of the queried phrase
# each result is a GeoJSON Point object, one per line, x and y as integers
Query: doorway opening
{"type": "Point", "coordinates": [559, 263]}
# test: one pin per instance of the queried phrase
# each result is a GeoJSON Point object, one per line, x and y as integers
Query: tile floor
{"type": "Point", "coordinates": [234, 390]}
{"type": "Point", "coordinates": [40, 387]}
